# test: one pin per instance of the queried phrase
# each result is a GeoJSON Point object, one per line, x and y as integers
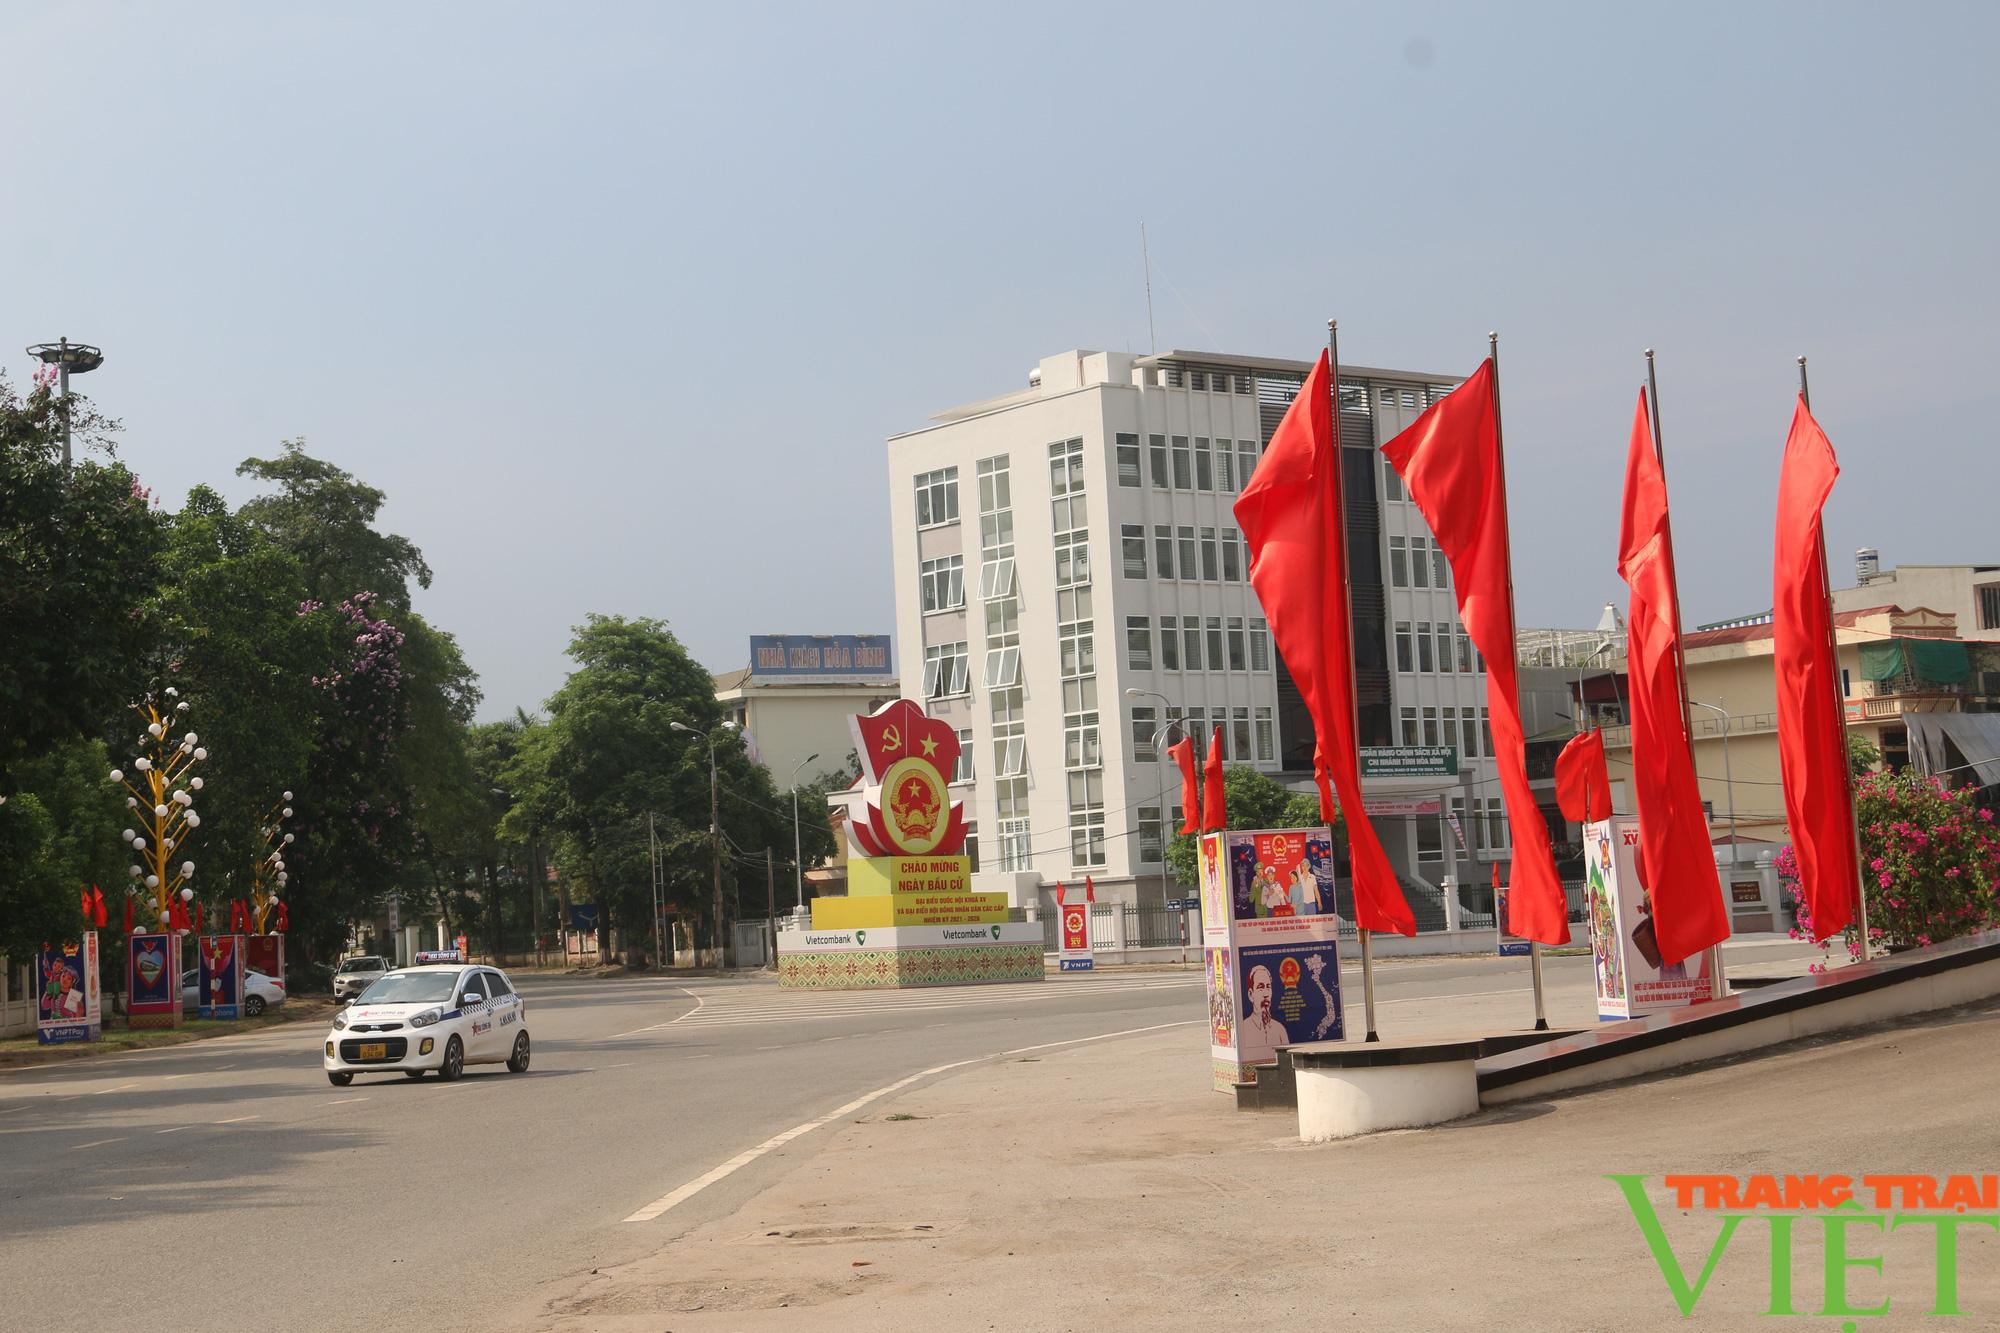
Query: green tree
{"type": "Point", "coordinates": [58, 833]}
{"type": "Point", "coordinates": [326, 519]}
{"type": "Point", "coordinates": [1862, 754]}
{"type": "Point", "coordinates": [1252, 801]}
{"type": "Point", "coordinates": [77, 568]}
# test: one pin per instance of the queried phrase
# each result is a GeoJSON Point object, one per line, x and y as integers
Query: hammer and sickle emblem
{"type": "Point", "coordinates": [890, 739]}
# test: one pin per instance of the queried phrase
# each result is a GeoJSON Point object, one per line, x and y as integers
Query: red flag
{"type": "Point", "coordinates": [1450, 461]}
{"type": "Point", "coordinates": [1183, 753]}
{"type": "Point", "coordinates": [1059, 893]}
{"type": "Point", "coordinates": [1089, 889]}
{"type": "Point", "coordinates": [1688, 915]}
{"type": "Point", "coordinates": [284, 917]}
{"type": "Point", "coordinates": [128, 914]}
{"type": "Point", "coordinates": [197, 919]}
{"type": "Point", "coordinates": [103, 917]}
{"type": "Point", "coordinates": [87, 913]}
{"type": "Point", "coordinates": [1213, 816]}
{"type": "Point", "coordinates": [1583, 784]}
{"type": "Point", "coordinates": [1812, 740]}
{"type": "Point", "coordinates": [1292, 518]}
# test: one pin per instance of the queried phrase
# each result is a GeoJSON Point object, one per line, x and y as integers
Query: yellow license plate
{"type": "Point", "coordinates": [374, 1050]}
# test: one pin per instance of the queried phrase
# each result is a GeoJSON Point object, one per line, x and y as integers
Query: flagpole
{"type": "Point", "coordinates": [1717, 988]}
{"type": "Point", "coordinates": [1840, 710]}
{"type": "Point", "coordinates": [1353, 687]}
{"type": "Point", "coordinates": [1500, 466]}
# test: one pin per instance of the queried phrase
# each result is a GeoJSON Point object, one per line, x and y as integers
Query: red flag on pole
{"type": "Point", "coordinates": [1183, 754]}
{"type": "Point", "coordinates": [1450, 462]}
{"type": "Point", "coordinates": [103, 917]}
{"type": "Point", "coordinates": [1293, 521]}
{"type": "Point", "coordinates": [1089, 889]}
{"type": "Point", "coordinates": [1688, 915]}
{"type": "Point", "coordinates": [128, 914]}
{"type": "Point", "coordinates": [1812, 738]}
{"type": "Point", "coordinates": [1583, 783]}
{"type": "Point", "coordinates": [1059, 893]}
{"type": "Point", "coordinates": [1213, 816]}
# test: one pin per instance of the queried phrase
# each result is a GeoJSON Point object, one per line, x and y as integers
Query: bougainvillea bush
{"type": "Point", "coordinates": [1930, 859]}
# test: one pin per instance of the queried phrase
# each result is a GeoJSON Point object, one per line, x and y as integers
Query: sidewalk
{"type": "Point", "coordinates": [1103, 1187]}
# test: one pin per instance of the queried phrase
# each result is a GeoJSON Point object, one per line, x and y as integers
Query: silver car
{"type": "Point", "coordinates": [358, 974]}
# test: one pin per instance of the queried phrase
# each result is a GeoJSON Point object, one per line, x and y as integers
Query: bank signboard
{"type": "Point", "coordinates": [1409, 761]}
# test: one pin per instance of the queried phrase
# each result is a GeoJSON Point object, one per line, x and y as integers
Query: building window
{"type": "Point", "coordinates": [1236, 659]}
{"type": "Point", "coordinates": [1156, 459]}
{"type": "Point", "coordinates": [1163, 550]}
{"type": "Point", "coordinates": [1392, 483]}
{"type": "Point", "coordinates": [1464, 653]}
{"type": "Point", "coordinates": [1225, 467]}
{"type": "Point", "coordinates": [937, 497]}
{"type": "Point", "coordinates": [1170, 643]}
{"type": "Point", "coordinates": [1425, 662]}
{"type": "Point", "coordinates": [1443, 645]}
{"type": "Point", "coordinates": [1185, 539]}
{"type": "Point", "coordinates": [1204, 466]}
{"type": "Point", "coordinates": [1405, 647]}
{"type": "Point", "coordinates": [1138, 643]}
{"type": "Point", "coordinates": [1132, 549]}
{"type": "Point", "coordinates": [1183, 464]}
{"type": "Point", "coordinates": [1198, 379]}
{"type": "Point", "coordinates": [1420, 562]}
{"type": "Point", "coordinates": [1246, 462]}
{"type": "Point", "coordinates": [1260, 645]}
{"type": "Point", "coordinates": [1430, 839]}
{"type": "Point", "coordinates": [1211, 565]}
{"type": "Point", "coordinates": [1239, 735]}
{"type": "Point", "coordinates": [995, 493]}
{"type": "Point", "coordinates": [1072, 559]}
{"type": "Point", "coordinates": [1082, 746]}
{"type": "Point", "coordinates": [1431, 726]}
{"type": "Point", "coordinates": [1846, 684]}
{"type": "Point", "coordinates": [941, 583]}
{"type": "Point", "coordinates": [971, 852]}
{"type": "Point", "coordinates": [1014, 845]}
{"type": "Point", "coordinates": [1128, 460]}
{"type": "Point", "coordinates": [1410, 735]}
{"type": "Point", "coordinates": [1232, 555]}
{"type": "Point", "coordinates": [1399, 563]}
{"type": "Point", "coordinates": [1485, 734]}
{"type": "Point", "coordinates": [1077, 647]}
{"type": "Point", "coordinates": [1149, 834]}
{"type": "Point", "coordinates": [1989, 606]}
{"type": "Point", "coordinates": [1066, 503]}
{"type": "Point", "coordinates": [1086, 818]}
{"type": "Point", "coordinates": [1496, 824]}
{"type": "Point", "coordinates": [947, 670]}
{"type": "Point", "coordinates": [1215, 657]}
{"type": "Point", "coordinates": [1468, 735]}
{"type": "Point", "coordinates": [1267, 745]}
{"type": "Point", "coordinates": [1010, 754]}
{"type": "Point", "coordinates": [1450, 727]}
{"type": "Point", "coordinates": [996, 579]}
{"type": "Point", "coordinates": [962, 771]}
{"type": "Point", "coordinates": [1191, 642]}
{"type": "Point", "coordinates": [1440, 567]}
{"type": "Point", "coordinates": [1003, 668]}
{"type": "Point", "coordinates": [1143, 728]}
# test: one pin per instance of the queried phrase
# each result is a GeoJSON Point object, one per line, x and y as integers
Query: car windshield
{"type": "Point", "coordinates": [362, 965]}
{"type": "Point", "coordinates": [411, 988]}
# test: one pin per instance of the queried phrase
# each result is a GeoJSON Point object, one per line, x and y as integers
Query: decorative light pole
{"type": "Point", "coordinates": [269, 877]}
{"type": "Point", "coordinates": [162, 802]}
{"type": "Point", "coordinates": [68, 358]}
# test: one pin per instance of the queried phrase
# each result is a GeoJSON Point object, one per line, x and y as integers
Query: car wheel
{"type": "Point", "coordinates": [518, 1062]}
{"type": "Point", "coordinates": [253, 1006]}
{"type": "Point", "coordinates": [454, 1060]}
{"type": "Point", "coordinates": [339, 1080]}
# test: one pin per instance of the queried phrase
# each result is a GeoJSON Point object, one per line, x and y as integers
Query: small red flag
{"type": "Point", "coordinates": [128, 914]}
{"type": "Point", "coordinates": [1213, 816]}
{"type": "Point", "coordinates": [1089, 889]}
{"type": "Point", "coordinates": [1583, 783]}
{"type": "Point", "coordinates": [1183, 754]}
{"type": "Point", "coordinates": [284, 916]}
{"type": "Point", "coordinates": [103, 911]}
{"type": "Point", "coordinates": [1293, 521]}
{"type": "Point", "coordinates": [1449, 460]}
{"type": "Point", "coordinates": [1059, 893]}
{"type": "Point", "coordinates": [197, 919]}
{"type": "Point", "coordinates": [1688, 915]}
{"type": "Point", "coordinates": [1812, 740]}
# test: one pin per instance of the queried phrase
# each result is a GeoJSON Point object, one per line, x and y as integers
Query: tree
{"type": "Point", "coordinates": [1862, 754]}
{"type": "Point", "coordinates": [1253, 801]}
{"type": "Point", "coordinates": [77, 568]}
{"type": "Point", "coordinates": [58, 833]}
{"type": "Point", "coordinates": [326, 518]}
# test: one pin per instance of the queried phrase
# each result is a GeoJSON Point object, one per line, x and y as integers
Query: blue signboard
{"type": "Point", "coordinates": [821, 656]}
{"type": "Point", "coordinates": [1290, 993]}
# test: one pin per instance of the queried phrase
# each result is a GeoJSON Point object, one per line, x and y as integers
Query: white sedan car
{"type": "Point", "coordinates": [259, 992]}
{"type": "Point", "coordinates": [418, 1018]}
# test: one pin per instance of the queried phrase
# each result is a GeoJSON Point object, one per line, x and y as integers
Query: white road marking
{"type": "Point", "coordinates": [237, 1120]}
{"type": "Point", "coordinates": [743, 1159]}
{"type": "Point", "coordinates": [623, 1064]}
{"type": "Point", "coordinates": [120, 1088]}
{"type": "Point", "coordinates": [698, 1004]}
{"type": "Point", "coordinates": [175, 1130]}
{"type": "Point", "coordinates": [98, 1143]}
{"type": "Point", "coordinates": [342, 1101]}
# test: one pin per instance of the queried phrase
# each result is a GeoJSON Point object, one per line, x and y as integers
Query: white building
{"type": "Point", "coordinates": [1970, 593]}
{"type": "Point", "coordinates": [1060, 547]}
{"type": "Point", "coordinates": [795, 700]}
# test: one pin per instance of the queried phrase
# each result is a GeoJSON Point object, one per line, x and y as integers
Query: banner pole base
{"type": "Point", "coordinates": [1368, 984]}
{"type": "Point", "coordinates": [1541, 1009]}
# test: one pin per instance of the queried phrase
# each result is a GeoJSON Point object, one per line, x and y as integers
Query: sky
{"type": "Point", "coordinates": [619, 303]}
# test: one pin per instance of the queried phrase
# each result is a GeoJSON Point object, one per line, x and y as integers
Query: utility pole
{"type": "Point", "coordinates": [770, 908]}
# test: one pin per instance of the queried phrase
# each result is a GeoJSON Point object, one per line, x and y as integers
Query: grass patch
{"type": "Point", "coordinates": [17, 1051]}
{"type": "Point", "coordinates": [903, 1115]}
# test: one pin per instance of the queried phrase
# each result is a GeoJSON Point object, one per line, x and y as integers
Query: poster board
{"type": "Point", "coordinates": [1270, 945]}
{"type": "Point", "coordinates": [221, 994]}
{"type": "Point", "coordinates": [1631, 978]}
{"type": "Point", "coordinates": [70, 1005]}
{"type": "Point", "coordinates": [1075, 953]}
{"type": "Point", "coordinates": [153, 980]}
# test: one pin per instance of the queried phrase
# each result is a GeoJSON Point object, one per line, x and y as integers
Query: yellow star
{"type": "Point", "coordinates": [930, 746]}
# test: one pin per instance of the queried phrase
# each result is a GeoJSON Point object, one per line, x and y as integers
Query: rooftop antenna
{"type": "Point", "coordinates": [1147, 259]}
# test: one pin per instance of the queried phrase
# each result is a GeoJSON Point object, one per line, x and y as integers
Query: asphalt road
{"type": "Point", "coordinates": [227, 1180]}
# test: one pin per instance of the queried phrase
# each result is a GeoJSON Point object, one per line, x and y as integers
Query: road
{"type": "Point", "coordinates": [186, 1180]}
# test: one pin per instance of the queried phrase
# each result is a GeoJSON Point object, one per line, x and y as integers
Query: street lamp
{"type": "Point", "coordinates": [714, 836]}
{"type": "Point", "coordinates": [68, 358]}
{"type": "Point", "coordinates": [798, 859]}
{"type": "Point", "coordinates": [1728, 783]}
{"type": "Point", "coordinates": [1165, 705]}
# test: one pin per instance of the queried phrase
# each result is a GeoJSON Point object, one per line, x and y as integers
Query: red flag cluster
{"type": "Point", "coordinates": [1203, 807]}
{"type": "Point", "coordinates": [95, 913]}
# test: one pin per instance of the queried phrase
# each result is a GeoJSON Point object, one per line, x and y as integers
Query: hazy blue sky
{"type": "Point", "coordinates": [618, 303]}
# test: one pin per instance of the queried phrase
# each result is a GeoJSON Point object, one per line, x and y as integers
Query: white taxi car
{"type": "Point", "coordinates": [440, 1017]}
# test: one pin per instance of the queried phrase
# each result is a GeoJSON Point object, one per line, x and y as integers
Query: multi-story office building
{"type": "Point", "coordinates": [1071, 579]}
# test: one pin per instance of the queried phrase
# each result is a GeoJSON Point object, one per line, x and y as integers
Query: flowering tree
{"type": "Point", "coordinates": [1931, 859]}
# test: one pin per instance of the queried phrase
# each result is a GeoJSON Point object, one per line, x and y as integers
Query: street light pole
{"type": "Point", "coordinates": [67, 356]}
{"type": "Point", "coordinates": [714, 836]}
{"type": "Point", "coordinates": [1165, 704]}
{"type": "Point", "coordinates": [1728, 782]}
{"type": "Point", "coordinates": [798, 861]}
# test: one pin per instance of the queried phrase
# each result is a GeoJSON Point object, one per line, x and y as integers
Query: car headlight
{"type": "Point", "coordinates": [426, 1018]}
{"type": "Point", "coordinates": [339, 1022]}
